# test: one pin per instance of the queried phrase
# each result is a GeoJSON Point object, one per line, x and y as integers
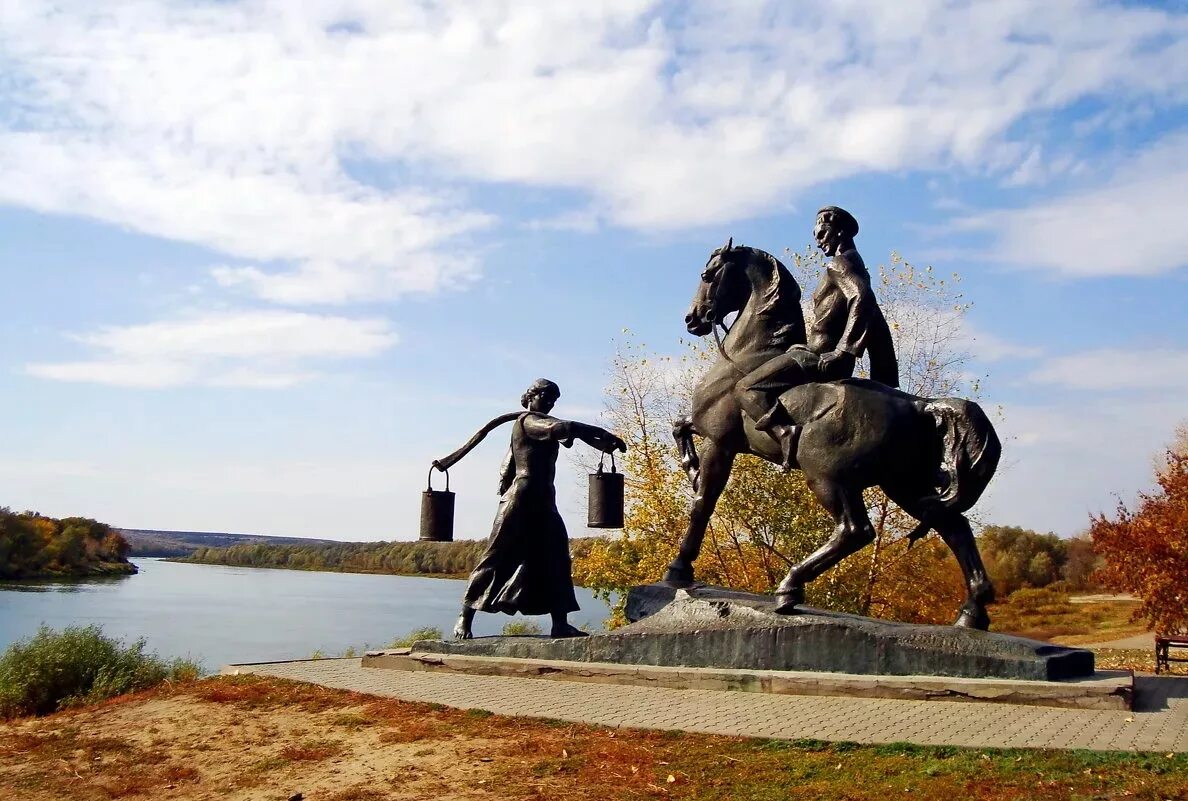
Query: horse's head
{"type": "Point", "coordinates": [723, 289]}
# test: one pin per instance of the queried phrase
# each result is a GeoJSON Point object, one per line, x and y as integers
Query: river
{"type": "Point", "coordinates": [219, 615]}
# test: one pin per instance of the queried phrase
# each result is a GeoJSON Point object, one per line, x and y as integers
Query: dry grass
{"type": "Point", "coordinates": [1046, 614]}
{"type": "Point", "coordinates": [311, 751]}
{"type": "Point", "coordinates": [254, 738]}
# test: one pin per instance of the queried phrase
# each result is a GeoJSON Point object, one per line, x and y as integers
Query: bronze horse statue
{"type": "Point", "coordinates": [932, 457]}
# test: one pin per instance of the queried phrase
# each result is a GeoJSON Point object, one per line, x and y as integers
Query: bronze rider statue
{"type": "Point", "coordinates": [847, 322]}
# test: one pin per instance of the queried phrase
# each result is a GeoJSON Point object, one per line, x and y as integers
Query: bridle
{"type": "Point", "coordinates": [715, 324]}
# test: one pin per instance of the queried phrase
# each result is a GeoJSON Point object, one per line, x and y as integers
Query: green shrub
{"type": "Point", "coordinates": [425, 633]}
{"type": "Point", "coordinates": [522, 628]}
{"type": "Point", "coordinates": [79, 665]}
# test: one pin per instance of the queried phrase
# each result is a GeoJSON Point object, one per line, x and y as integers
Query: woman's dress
{"type": "Point", "coordinates": [526, 567]}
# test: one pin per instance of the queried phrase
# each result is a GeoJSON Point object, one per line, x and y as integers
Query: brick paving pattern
{"type": "Point", "coordinates": [1159, 722]}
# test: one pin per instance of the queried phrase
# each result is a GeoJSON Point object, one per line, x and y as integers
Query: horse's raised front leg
{"type": "Point", "coordinates": [716, 462]}
{"type": "Point", "coordinates": [682, 432]}
{"type": "Point", "coordinates": [853, 532]}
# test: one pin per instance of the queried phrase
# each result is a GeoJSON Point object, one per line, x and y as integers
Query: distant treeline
{"type": "Point", "coordinates": [1019, 557]}
{"type": "Point", "coordinates": [33, 546]}
{"type": "Point", "coordinates": [405, 558]}
{"type": "Point", "coordinates": [153, 542]}
{"type": "Point", "coordinates": [453, 559]}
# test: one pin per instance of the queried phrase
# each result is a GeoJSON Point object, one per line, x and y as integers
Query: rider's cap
{"type": "Point", "coordinates": [841, 217]}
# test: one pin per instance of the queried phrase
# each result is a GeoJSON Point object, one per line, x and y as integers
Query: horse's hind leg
{"type": "Point", "coordinates": [955, 531]}
{"type": "Point", "coordinates": [716, 462]}
{"type": "Point", "coordinates": [852, 533]}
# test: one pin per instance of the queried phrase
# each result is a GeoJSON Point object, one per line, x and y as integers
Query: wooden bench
{"type": "Point", "coordinates": [1163, 645]}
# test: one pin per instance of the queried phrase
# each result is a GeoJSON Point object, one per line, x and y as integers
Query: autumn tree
{"type": "Point", "coordinates": [767, 521]}
{"type": "Point", "coordinates": [32, 545]}
{"type": "Point", "coordinates": [1081, 563]}
{"type": "Point", "coordinates": [1019, 557]}
{"type": "Point", "coordinates": [1146, 550]}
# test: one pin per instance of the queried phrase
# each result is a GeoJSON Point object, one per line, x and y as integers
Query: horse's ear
{"type": "Point", "coordinates": [729, 243]}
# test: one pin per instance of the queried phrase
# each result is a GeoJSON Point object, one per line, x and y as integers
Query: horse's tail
{"type": "Point", "coordinates": [970, 450]}
{"type": "Point", "coordinates": [682, 432]}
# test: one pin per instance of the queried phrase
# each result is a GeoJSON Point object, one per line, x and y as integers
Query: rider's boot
{"type": "Point", "coordinates": [788, 436]}
{"type": "Point", "coordinates": [777, 423]}
{"type": "Point", "coordinates": [774, 416]}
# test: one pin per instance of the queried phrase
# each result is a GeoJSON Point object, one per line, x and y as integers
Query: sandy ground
{"type": "Point", "coordinates": [1101, 598]}
{"type": "Point", "coordinates": [184, 748]}
{"type": "Point", "coordinates": [261, 739]}
{"type": "Point", "coordinates": [1144, 642]}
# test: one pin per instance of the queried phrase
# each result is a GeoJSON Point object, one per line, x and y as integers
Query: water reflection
{"type": "Point", "coordinates": [68, 585]}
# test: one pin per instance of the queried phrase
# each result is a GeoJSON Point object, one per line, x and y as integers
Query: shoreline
{"type": "Point", "coordinates": [187, 561]}
{"type": "Point", "coordinates": [102, 570]}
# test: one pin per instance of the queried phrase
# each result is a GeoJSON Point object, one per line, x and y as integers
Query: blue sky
{"type": "Point", "coordinates": [263, 261]}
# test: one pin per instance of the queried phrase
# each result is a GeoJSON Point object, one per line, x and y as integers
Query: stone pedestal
{"type": "Point", "coordinates": [709, 627]}
{"type": "Point", "coordinates": [1104, 690]}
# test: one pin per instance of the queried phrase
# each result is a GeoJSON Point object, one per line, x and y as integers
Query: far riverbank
{"type": "Point", "coordinates": [423, 559]}
{"type": "Point", "coordinates": [75, 573]}
{"type": "Point", "coordinates": [186, 560]}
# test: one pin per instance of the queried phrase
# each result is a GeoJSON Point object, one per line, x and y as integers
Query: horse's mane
{"type": "Point", "coordinates": [781, 300]}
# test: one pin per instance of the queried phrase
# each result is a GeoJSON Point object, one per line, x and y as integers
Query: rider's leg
{"type": "Point", "coordinates": [759, 389]}
{"type": "Point", "coordinates": [777, 422]}
{"type": "Point", "coordinates": [758, 395]}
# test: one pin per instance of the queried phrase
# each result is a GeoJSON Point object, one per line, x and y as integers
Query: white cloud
{"type": "Point", "coordinates": [1133, 369]}
{"type": "Point", "coordinates": [987, 347]}
{"type": "Point", "coordinates": [1038, 168]}
{"type": "Point", "coordinates": [242, 126]}
{"type": "Point", "coordinates": [257, 349]}
{"type": "Point", "coordinates": [1133, 224]}
{"type": "Point", "coordinates": [581, 221]}
{"type": "Point", "coordinates": [114, 372]}
{"type": "Point", "coordinates": [335, 282]}
{"type": "Point", "coordinates": [1063, 462]}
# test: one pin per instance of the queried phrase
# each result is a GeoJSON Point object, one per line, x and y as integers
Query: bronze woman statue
{"type": "Point", "coordinates": [526, 567]}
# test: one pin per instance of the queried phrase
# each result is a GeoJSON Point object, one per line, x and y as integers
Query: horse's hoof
{"type": "Point", "coordinates": [676, 580]}
{"type": "Point", "coordinates": [678, 576]}
{"type": "Point", "coordinates": [786, 602]}
{"type": "Point", "coordinates": [970, 619]}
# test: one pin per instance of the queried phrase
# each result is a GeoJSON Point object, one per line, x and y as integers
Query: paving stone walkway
{"type": "Point", "coordinates": [1159, 722]}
